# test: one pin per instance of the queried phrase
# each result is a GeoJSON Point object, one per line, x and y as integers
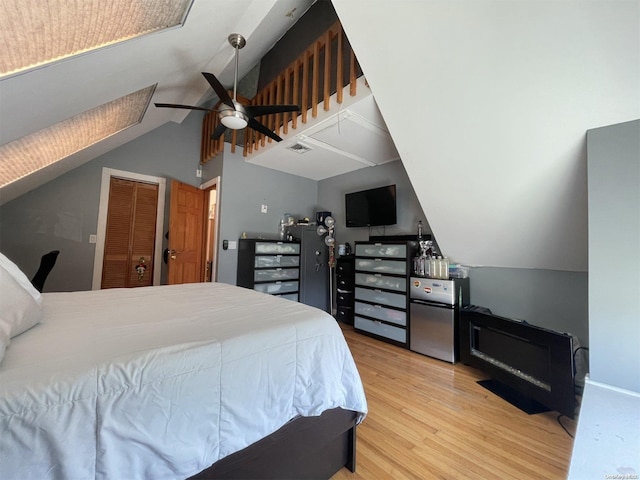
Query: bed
{"type": "Point", "coordinates": [206, 380]}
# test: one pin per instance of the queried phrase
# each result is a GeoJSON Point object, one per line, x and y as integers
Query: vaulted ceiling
{"type": "Point", "coordinates": [168, 59]}
{"type": "Point", "coordinates": [491, 133]}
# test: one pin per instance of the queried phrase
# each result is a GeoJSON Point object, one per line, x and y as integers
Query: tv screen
{"type": "Point", "coordinates": [371, 208]}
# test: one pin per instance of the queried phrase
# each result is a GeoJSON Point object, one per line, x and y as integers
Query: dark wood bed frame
{"type": "Point", "coordinates": [304, 448]}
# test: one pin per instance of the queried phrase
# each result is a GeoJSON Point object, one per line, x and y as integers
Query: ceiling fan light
{"type": "Point", "coordinates": [234, 119]}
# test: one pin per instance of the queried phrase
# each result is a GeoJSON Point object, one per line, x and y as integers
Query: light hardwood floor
{"type": "Point", "coordinates": [429, 419]}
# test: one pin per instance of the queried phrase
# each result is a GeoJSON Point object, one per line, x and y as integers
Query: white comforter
{"type": "Point", "coordinates": [161, 382]}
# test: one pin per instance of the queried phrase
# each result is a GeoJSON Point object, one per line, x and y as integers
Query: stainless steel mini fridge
{"type": "Point", "coordinates": [433, 316]}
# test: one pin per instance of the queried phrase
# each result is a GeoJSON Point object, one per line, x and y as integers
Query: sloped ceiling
{"type": "Point", "coordinates": [488, 104]}
{"type": "Point", "coordinates": [172, 58]}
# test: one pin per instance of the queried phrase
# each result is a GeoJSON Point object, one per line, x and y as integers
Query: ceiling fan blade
{"type": "Point", "coordinates": [220, 129]}
{"type": "Point", "coordinates": [256, 125]}
{"type": "Point", "coordinates": [257, 110]}
{"type": "Point", "coordinates": [186, 107]}
{"type": "Point", "coordinates": [219, 89]}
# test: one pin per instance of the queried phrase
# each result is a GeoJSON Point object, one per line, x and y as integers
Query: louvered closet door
{"type": "Point", "coordinates": [131, 227]}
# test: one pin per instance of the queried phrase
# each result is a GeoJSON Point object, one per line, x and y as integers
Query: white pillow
{"type": "Point", "coordinates": [19, 311]}
{"type": "Point", "coordinates": [20, 277]}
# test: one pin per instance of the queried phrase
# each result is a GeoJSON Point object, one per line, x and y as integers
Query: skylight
{"type": "Point", "coordinates": [37, 32]}
{"type": "Point", "coordinates": [37, 150]}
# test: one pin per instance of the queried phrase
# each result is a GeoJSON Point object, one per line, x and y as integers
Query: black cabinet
{"type": "Point", "coordinates": [345, 283]}
{"type": "Point", "coordinates": [269, 266]}
{"type": "Point", "coordinates": [314, 266]}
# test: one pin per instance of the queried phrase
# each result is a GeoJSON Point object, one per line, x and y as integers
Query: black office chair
{"type": "Point", "coordinates": [46, 264]}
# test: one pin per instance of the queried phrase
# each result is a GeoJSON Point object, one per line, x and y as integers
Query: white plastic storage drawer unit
{"type": "Point", "coordinates": [378, 297]}
{"type": "Point", "coordinates": [376, 280]}
{"type": "Point", "coordinates": [390, 315]}
{"type": "Point", "coordinates": [381, 329]}
{"type": "Point", "coordinates": [381, 296]}
{"type": "Point", "coordinates": [381, 250]}
{"type": "Point", "coordinates": [274, 261]}
{"type": "Point", "coordinates": [269, 266]}
{"type": "Point", "coordinates": [379, 265]}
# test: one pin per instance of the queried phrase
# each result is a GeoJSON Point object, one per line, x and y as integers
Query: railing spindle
{"type": "Point", "coordinates": [339, 70]}
{"type": "Point", "coordinates": [327, 70]}
{"type": "Point", "coordinates": [314, 81]}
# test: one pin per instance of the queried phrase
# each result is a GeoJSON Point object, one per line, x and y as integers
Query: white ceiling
{"type": "Point", "coordinates": [350, 136]}
{"type": "Point", "coordinates": [492, 131]}
{"type": "Point", "coordinates": [174, 59]}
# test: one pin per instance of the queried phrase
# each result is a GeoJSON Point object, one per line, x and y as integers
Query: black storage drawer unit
{"type": "Point", "coordinates": [344, 299]}
{"type": "Point", "coordinates": [381, 300]}
{"type": "Point", "coordinates": [269, 266]}
{"type": "Point", "coordinates": [345, 282]}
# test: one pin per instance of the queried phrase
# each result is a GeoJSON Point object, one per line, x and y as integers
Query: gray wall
{"type": "Point", "coordinates": [244, 189]}
{"type": "Point", "coordinates": [614, 254]}
{"type": "Point", "coordinates": [547, 298]}
{"type": "Point", "coordinates": [331, 193]}
{"type": "Point", "coordinates": [64, 212]}
{"type": "Point", "coordinates": [493, 138]}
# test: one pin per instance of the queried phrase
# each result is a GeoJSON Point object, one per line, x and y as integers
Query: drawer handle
{"type": "Point", "coordinates": [377, 259]}
{"type": "Point", "coordinates": [378, 306]}
{"type": "Point", "coordinates": [377, 322]}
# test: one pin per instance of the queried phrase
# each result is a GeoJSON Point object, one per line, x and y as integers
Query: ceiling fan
{"type": "Point", "coordinates": [233, 114]}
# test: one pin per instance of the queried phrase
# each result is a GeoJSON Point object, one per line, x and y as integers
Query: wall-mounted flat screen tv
{"type": "Point", "coordinates": [371, 208]}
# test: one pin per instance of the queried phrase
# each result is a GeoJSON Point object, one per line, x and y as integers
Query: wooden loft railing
{"type": "Point", "coordinates": [309, 80]}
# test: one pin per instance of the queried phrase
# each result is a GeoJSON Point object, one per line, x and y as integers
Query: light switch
{"type": "Point", "coordinates": [263, 208]}
{"type": "Point", "coordinates": [233, 244]}
{"type": "Point", "coordinates": [93, 238]}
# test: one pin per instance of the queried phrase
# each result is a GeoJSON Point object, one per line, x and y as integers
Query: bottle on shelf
{"type": "Point", "coordinates": [427, 266]}
{"type": "Point", "coordinates": [421, 260]}
{"type": "Point", "coordinates": [419, 265]}
{"type": "Point", "coordinates": [444, 268]}
{"type": "Point", "coordinates": [439, 267]}
{"type": "Point", "coordinates": [433, 267]}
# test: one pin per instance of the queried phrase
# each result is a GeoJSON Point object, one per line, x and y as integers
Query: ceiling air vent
{"type": "Point", "coordinates": [299, 148]}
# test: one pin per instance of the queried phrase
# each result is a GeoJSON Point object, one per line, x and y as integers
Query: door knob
{"type": "Point", "coordinates": [173, 254]}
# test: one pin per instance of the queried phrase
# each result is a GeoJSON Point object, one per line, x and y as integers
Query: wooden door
{"type": "Point", "coordinates": [130, 234]}
{"type": "Point", "coordinates": [211, 239]}
{"type": "Point", "coordinates": [186, 228]}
